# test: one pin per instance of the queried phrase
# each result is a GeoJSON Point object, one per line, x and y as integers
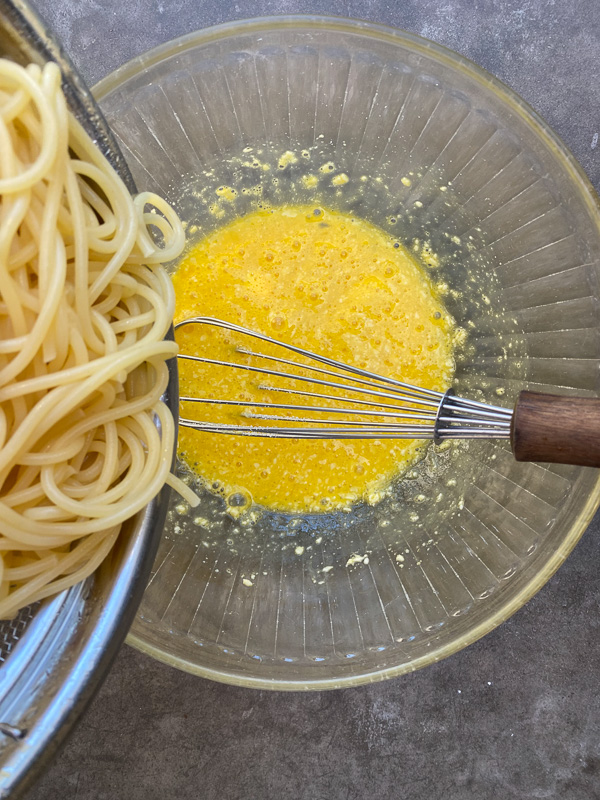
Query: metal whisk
{"type": "Point", "coordinates": [541, 427]}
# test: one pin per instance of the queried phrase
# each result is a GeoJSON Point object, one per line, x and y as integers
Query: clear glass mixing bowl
{"type": "Point", "coordinates": [435, 150]}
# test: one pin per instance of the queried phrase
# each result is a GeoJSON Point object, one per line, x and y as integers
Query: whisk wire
{"type": "Point", "coordinates": [414, 391]}
{"type": "Point", "coordinates": [406, 396]}
{"type": "Point", "coordinates": [398, 412]}
{"type": "Point", "coordinates": [429, 413]}
{"type": "Point", "coordinates": [300, 351]}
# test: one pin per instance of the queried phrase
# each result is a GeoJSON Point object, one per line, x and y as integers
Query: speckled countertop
{"type": "Point", "coordinates": [517, 715]}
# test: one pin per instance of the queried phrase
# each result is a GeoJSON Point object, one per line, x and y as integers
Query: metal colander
{"type": "Point", "coordinates": [53, 654]}
{"type": "Point", "coordinates": [11, 630]}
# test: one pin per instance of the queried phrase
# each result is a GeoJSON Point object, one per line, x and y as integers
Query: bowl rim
{"type": "Point", "coordinates": [588, 194]}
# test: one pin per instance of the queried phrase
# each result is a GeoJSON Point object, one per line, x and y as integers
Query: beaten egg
{"type": "Point", "coordinates": [325, 281]}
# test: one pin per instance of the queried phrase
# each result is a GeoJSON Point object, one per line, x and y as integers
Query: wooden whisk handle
{"type": "Point", "coordinates": [558, 429]}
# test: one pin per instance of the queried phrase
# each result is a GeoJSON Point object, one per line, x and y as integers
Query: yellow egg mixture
{"type": "Point", "coordinates": [328, 282]}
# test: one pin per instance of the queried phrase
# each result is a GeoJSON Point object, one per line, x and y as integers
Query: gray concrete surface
{"type": "Point", "coordinates": [516, 715]}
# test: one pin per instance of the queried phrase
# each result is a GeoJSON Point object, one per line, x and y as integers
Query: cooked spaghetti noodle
{"type": "Point", "coordinates": [85, 441]}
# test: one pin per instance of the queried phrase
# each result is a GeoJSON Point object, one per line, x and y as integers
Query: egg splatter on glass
{"type": "Point", "coordinates": [328, 282]}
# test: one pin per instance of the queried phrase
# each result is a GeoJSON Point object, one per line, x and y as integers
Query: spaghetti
{"type": "Point", "coordinates": [85, 440]}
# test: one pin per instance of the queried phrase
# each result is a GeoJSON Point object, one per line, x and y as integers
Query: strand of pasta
{"type": "Point", "coordinates": [85, 439]}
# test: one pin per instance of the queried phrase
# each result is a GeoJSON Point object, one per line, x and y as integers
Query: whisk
{"type": "Point", "coordinates": [540, 427]}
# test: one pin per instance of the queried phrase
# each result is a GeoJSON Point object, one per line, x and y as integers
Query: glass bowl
{"type": "Point", "coordinates": [434, 150]}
